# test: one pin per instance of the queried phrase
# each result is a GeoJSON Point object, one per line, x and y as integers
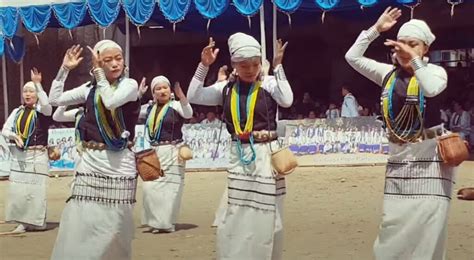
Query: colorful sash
{"type": "Point", "coordinates": [155, 120]}
{"type": "Point", "coordinates": [111, 132]}
{"type": "Point", "coordinates": [246, 134]}
{"type": "Point", "coordinates": [407, 126]}
{"type": "Point", "coordinates": [29, 126]}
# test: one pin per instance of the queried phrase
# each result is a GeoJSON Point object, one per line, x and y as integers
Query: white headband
{"type": "Point", "coordinates": [158, 80]}
{"type": "Point", "coordinates": [29, 85]}
{"type": "Point", "coordinates": [105, 44]}
{"type": "Point", "coordinates": [243, 47]}
{"type": "Point", "coordinates": [417, 29]}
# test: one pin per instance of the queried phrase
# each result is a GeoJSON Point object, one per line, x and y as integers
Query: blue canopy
{"type": "Point", "coordinates": [37, 15]}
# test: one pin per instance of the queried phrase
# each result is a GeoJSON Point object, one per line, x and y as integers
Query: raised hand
{"type": "Point", "coordinates": [96, 60]}
{"type": "Point", "coordinates": [388, 19]}
{"type": "Point", "coordinates": [280, 52]}
{"type": "Point", "coordinates": [402, 50]}
{"type": "Point", "coordinates": [142, 88]}
{"type": "Point", "coordinates": [179, 92]}
{"type": "Point", "coordinates": [209, 54]}
{"type": "Point", "coordinates": [222, 74]}
{"type": "Point", "coordinates": [72, 58]}
{"type": "Point", "coordinates": [36, 76]}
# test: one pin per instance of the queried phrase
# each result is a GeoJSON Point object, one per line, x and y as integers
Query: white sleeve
{"type": "Point", "coordinates": [433, 79]}
{"type": "Point", "coordinates": [208, 96]}
{"type": "Point", "coordinates": [184, 110]}
{"type": "Point", "coordinates": [371, 69]}
{"type": "Point", "coordinates": [43, 102]}
{"type": "Point", "coordinates": [75, 96]}
{"type": "Point", "coordinates": [63, 115]}
{"type": "Point", "coordinates": [143, 111]}
{"type": "Point", "coordinates": [57, 87]}
{"type": "Point", "coordinates": [279, 87]}
{"type": "Point", "coordinates": [126, 91]}
{"type": "Point", "coordinates": [8, 129]}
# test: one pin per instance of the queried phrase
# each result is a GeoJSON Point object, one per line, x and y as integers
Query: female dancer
{"type": "Point", "coordinates": [252, 226]}
{"type": "Point", "coordinates": [27, 126]}
{"type": "Point", "coordinates": [97, 222]}
{"type": "Point", "coordinates": [418, 185]}
{"type": "Point", "coordinates": [164, 120]}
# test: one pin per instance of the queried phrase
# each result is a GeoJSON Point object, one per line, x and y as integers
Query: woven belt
{"type": "Point", "coordinates": [36, 147]}
{"type": "Point", "coordinates": [100, 146]}
{"type": "Point", "coordinates": [261, 136]}
{"type": "Point", "coordinates": [177, 141]}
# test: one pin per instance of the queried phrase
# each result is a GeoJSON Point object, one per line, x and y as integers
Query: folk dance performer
{"type": "Point", "coordinates": [164, 121]}
{"type": "Point", "coordinates": [252, 227]}
{"type": "Point", "coordinates": [27, 127]}
{"type": "Point", "coordinates": [97, 222]}
{"type": "Point", "coordinates": [418, 185]}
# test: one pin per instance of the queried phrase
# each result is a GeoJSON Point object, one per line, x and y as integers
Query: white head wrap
{"type": "Point", "coordinates": [30, 85]}
{"type": "Point", "coordinates": [157, 80]}
{"type": "Point", "coordinates": [104, 44]}
{"type": "Point", "coordinates": [243, 47]}
{"type": "Point", "coordinates": [417, 29]}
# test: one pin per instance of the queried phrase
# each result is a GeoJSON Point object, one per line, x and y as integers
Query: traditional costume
{"type": "Point", "coordinates": [252, 227]}
{"type": "Point", "coordinates": [162, 197]}
{"type": "Point", "coordinates": [97, 222]}
{"type": "Point", "coordinates": [26, 197]}
{"type": "Point", "coordinates": [418, 185]}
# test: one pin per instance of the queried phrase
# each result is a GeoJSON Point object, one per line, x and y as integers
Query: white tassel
{"type": "Point", "coordinates": [37, 39]}
{"type": "Point", "coordinates": [70, 34]}
{"type": "Point", "coordinates": [208, 25]}
{"type": "Point", "coordinates": [139, 32]}
{"type": "Point", "coordinates": [103, 32]}
{"type": "Point", "coordinates": [174, 27]}
{"type": "Point", "coordinates": [11, 45]}
{"type": "Point", "coordinates": [412, 8]}
{"type": "Point", "coordinates": [250, 22]}
{"type": "Point", "coordinates": [323, 16]}
{"type": "Point", "coordinates": [289, 19]}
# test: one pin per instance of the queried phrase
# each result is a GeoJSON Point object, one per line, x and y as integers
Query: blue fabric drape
{"type": "Point", "coordinates": [211, 9]}
{"type": "Point", "coordinates": [16, 53]}
{"type": "Point", "coordinates": [367, 3]}
{"type": "Point", "coordinates": [407, 2]}
{"type": "Point", "coordinates": [9, 16]}
{"type": "Point", "coordinates": [35, 18]}
{"type": "Point", "coordinates": [139, 11]}
{"type": "Point", "coordinates": [247, 7]}
{"type": "Point", "coordinates": [327, 4]}
{"type": "Point", "coordinates": [2, 44]}
{"type": "Point", "coordinates": [287, 6]}
{"type": "Point", "coordinates": [174, 10]}
{"type": "Point", "coordinates": [104, 12]}
{"type": "Point", "coordinates": [70, 15]}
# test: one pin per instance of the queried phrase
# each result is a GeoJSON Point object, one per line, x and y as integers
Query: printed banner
{"type": "Point", "coordinates": [64, 140]}
{"type": "Point", "coordinates": [360, 140]}
{"type": "Point", "coordinates": [342, 141]}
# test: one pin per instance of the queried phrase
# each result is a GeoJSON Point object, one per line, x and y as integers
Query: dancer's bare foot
{"type": "Point", "coordinates": [466, 194]}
